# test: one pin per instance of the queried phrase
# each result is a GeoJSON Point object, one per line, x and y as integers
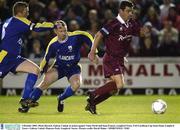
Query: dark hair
{"type": "Point", "coordinates": [19, 7]}
{"type": "Point", "coordinates": [125, 3]}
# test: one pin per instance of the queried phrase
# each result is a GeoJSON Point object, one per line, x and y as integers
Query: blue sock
{"type": "Point", "coordinates": [36, 94]}
{"type": "Point", "coordinates": [67, 93]}
{"type": "Point", "coordinates": [29, 84]}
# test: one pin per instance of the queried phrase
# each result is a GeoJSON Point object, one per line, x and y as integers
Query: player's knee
{"type": "Point", "coordinates": [119, 84]}
{"type": "Point", "coordinates": [36, 70]}
{"type": "Point", "coordinates": [75, 85]}
{"type": "Point", "coordinates": [44, 85]}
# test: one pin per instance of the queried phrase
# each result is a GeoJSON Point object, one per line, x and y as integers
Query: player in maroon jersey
{"type": "Point", "coordinates": [117, 36]}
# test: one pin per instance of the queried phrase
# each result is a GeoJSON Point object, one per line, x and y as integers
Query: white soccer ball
{"type": "Point", "coordinates": [159, 106]}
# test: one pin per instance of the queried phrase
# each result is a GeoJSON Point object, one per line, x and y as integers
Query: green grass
{"type": "Point", "coordinates": [117, 109]}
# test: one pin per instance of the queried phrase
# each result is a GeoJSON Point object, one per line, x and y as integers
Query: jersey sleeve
{"type": "Point", "coordinates": [49, 53]}
{"type": "Point", "coordinates": [27, 25]}
{"type": "Point", "coordinates": [106, 29]}
{"type": "Point", "coordinates": [86, 37]}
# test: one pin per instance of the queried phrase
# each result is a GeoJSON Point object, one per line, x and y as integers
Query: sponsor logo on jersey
{"type": "Point", "coordinates": [67, 58]}
{"type": "Point", "coordinates": [70, 48]}
{"type": "Point", "coordinates": [121, 38]}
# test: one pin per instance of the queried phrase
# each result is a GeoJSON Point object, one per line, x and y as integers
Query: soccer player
{"type": "Point", "coordinates": [117, 37]}
{"type": "Point", "coordinates": [65, 47]}
{"type": "Point", "coordinates": [11, 44]}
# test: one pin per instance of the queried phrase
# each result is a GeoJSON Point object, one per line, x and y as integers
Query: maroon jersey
{"type": "Point", "coordinates": [117, 36]}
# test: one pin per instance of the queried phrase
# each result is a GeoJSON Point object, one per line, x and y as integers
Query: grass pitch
{"type": "Point", "coordinates": [117, 109]}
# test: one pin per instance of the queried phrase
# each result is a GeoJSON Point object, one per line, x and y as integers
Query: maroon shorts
{"type": "Point", "coordinates": [112, 65]}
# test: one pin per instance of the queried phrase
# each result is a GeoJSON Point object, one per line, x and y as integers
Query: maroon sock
{"type": "Point", "coordinates": [101, 98]}
{"type": "Point", "coordinates": [109, 88]}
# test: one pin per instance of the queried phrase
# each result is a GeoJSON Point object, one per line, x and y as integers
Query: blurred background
{"type": "Point", "coordinates": [153, 58]}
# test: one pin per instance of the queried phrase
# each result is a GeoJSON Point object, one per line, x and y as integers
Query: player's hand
{"type": "Point", "coordinates": [91, 56]}
{"type": "Point", "coordinates": [96, 60]}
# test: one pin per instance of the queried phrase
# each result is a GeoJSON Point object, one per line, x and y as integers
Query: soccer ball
{"type": "Point", "coordinates": [159, 106]}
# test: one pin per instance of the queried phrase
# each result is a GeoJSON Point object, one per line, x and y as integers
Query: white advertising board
{"type": "Point", "coordinates": [140, 73]}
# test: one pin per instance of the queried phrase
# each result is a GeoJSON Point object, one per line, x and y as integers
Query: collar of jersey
{"type": "Point", "coordinates": [119, 18]}
{"type": "Point", "coordinates": [64, 41]}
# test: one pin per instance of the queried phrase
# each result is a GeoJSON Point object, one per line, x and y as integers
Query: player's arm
{"type": "Point", "coordinates": [92, 54]}
{"type": "Point", "coordinates": [86, 37]}
{"type": "Point", "coordinates": [104, 32]}
{"type": "Point", "coordinates": [49, 53]}
{"type": "Point", "coordinates": [38, 27]}
{"type": "Point", "coordinates": [26, 25]}
{"type": "Point", "coordinates": [97, 39]}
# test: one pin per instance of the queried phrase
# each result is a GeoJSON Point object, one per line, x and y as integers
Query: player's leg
{"type": "Point", "coordinates": [113, 69]}
{"type": "Point", "coordinates": [74, 76]}
{"type": "Point", "coordinates": [119, 83]}
{"type": "Point", "coordinates": [100, 94]}
{"type": "Point", "coordinates": [33, 71]}
{"type": "Point", "coordinates": [50, 77]}
{"type": "Point", "coordinates": [27, 66]}
{"type": "Point", "coordinates": [74, 81]}
{"type": "Point", "coordinates": [104, 92]}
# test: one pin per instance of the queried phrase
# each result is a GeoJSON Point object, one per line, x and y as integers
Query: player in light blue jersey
{"type": "Point", "coordinates": [65, 47]}
{"type": "Point", "coordinates": [11, 44]}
